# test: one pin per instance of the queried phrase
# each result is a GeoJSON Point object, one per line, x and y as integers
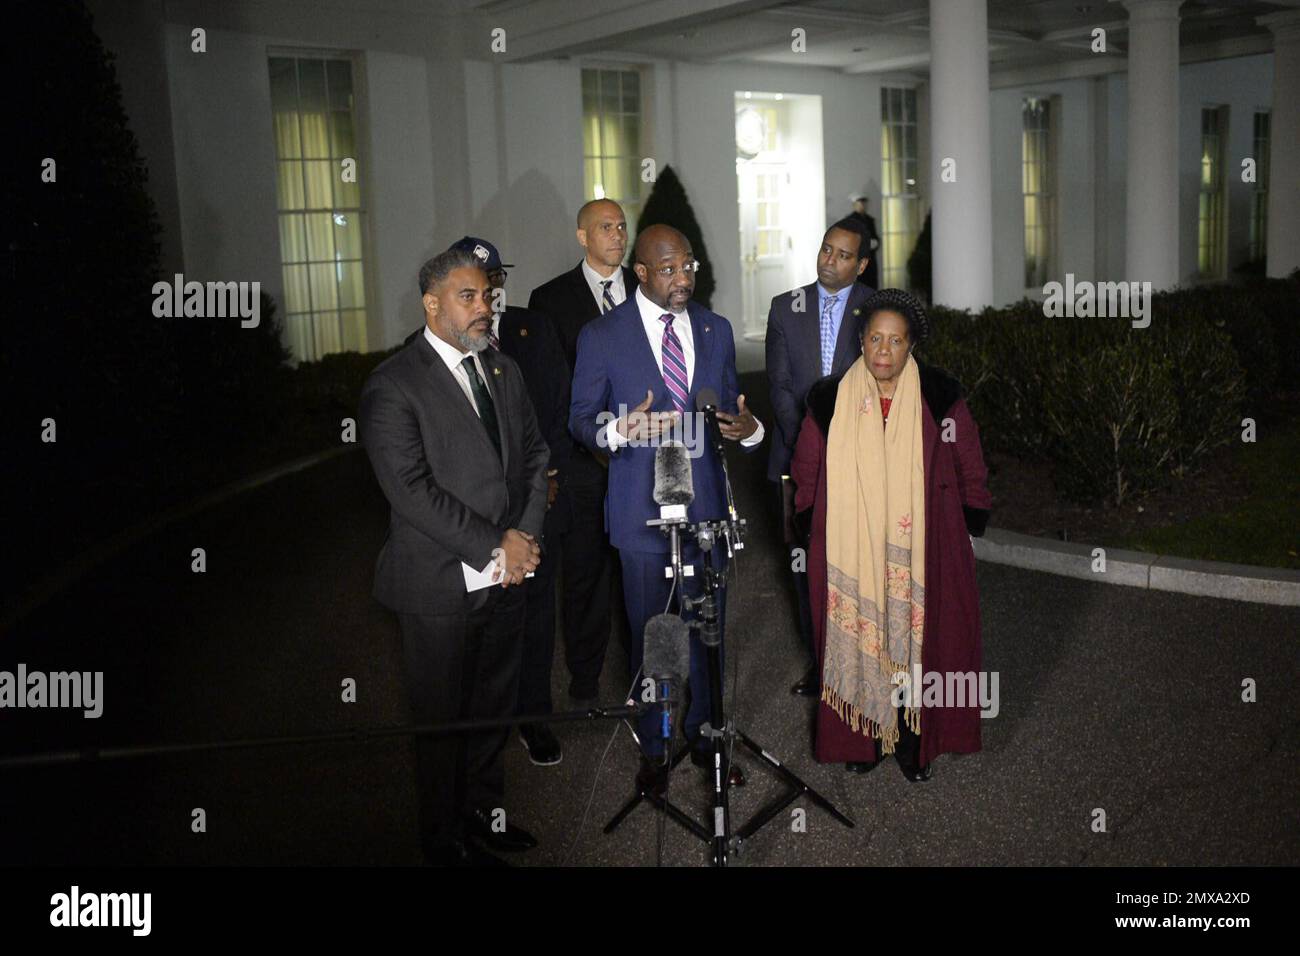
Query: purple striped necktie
{"type": "Point", "coordinates": [674, 364]}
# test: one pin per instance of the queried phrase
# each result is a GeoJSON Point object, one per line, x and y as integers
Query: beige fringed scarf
{"type": "Point", "coordinates": [875, 552]}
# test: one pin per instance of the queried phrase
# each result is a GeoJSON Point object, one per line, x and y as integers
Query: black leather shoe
{"type": "Point", "coordinates": [919, 775]}
{"type": "Point", "coordinates": [462, 853]}
{"type": "Point", "coordinates": [652, 777]}
{"type": "Point", "coordinates": [861, 766]}
{"type": "Point", "coordinates": [513, 839]}
{"type": "Point", "coordinates": [806, 686]}
{"type": "Point", "coordinates": [704, 760]}
{"type": "Point", "coordinates": [542, 746]}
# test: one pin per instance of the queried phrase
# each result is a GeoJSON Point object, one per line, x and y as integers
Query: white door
{"type": "Point", "coordinates": [764, 241]}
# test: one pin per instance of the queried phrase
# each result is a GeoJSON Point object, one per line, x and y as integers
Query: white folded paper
{"type": "Point", "coordinates": [488, 577]}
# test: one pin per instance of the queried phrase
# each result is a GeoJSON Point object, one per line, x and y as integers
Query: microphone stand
{"type": "Point", "coordinates": [721, 733]}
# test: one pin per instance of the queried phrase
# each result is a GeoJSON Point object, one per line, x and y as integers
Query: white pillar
{"type": "Point", "coordinates": [961, 180]}
{"type": "Point", "coordinates": [1151, 200]}
{"type": "Point", "coordinates": [1284, 146]}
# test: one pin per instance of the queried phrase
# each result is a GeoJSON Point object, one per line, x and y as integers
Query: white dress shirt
{"type": "Point", "coordinates": [452, 357]}
{"type": "Point", "coordinates": [654, 332]}
{"type": "Point", "coordinates": [594, 280]}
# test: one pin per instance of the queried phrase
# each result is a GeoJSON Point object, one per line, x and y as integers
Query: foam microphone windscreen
{"type": "Point", "coordinates": [673, 485]}
{"type": "Point", "coordinates": [667, 648]}
{"type": "Point", "coordinates": [704, 398]}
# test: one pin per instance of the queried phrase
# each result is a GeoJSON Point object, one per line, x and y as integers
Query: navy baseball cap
{"type": "Point", "coordinates": [484, 251]}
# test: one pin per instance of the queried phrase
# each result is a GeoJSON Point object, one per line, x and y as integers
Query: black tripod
{"type": "Point", "coordinates": [722, 735]}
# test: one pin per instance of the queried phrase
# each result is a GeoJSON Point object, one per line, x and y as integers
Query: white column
{"type": "Point", "coordinates": [1284, 145]}
{"type": "Point", "coordinates": [1151, 201]}
{"type": "Point", "coordinates": [961, 181]}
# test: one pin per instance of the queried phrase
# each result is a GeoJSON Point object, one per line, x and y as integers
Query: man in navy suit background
{"type": "Point", "coordinates": [639, 369]}
{"type": "Point", "coordinates": [596, 285]}
{"type": "Point", "coordinates": [812, 331]}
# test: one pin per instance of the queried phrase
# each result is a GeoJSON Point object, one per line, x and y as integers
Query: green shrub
{"type": "Point", "coordinates": [1279, 301]}
{"type": "Point", "coordinates": [1114, 416]}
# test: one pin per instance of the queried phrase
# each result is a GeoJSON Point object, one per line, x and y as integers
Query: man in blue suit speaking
{"type": "Point", "coordinates": [639, 368]}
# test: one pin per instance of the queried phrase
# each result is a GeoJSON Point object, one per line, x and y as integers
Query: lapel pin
{"type": "Point", "coordinates": [523, 332]}
{"type": "Point", "coordinates": [706, 328]}
{"type": "Point", "coordinates": [495, 370]}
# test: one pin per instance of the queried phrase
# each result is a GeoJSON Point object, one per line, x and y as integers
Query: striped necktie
{"type": "Point", "coordinates": [828, 336]}
{"type": "Point", "coordinates": [674, 364]}
{"type": "Point", "coordinates": [607, 296]}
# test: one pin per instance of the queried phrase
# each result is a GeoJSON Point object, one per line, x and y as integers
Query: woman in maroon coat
{"type": "Point", "coordinates": [945, 619]}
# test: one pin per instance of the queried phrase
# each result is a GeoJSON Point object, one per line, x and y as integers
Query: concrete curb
{"type": "Point", "coordinates": [87, 561]}
{"type": "Point", "coordinates": [1234, 582]}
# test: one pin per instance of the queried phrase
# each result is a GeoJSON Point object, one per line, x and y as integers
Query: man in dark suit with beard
{"type": "Point", "coordinates": [596, 285]}
{"type": "Point", "coordinates": [530, 339]}
{"type": "Point", "coordinates": [812, 331]}
{"type": "Point", "coordinates": [454, 443]}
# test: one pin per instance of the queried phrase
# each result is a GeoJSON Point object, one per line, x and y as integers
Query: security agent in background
{"type": "Point", "coordinates": [454, 443]}
{"type": "Point", "coordinates": [871, 275]}
{"type": "Point", "coordinates": [595, 286]}
{"type": "Point", "coordinates": [812, 332]}
{"type": "Point", "coordinates": [647, 361]}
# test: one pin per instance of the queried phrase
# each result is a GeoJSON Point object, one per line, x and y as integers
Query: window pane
{"type": "Point", "coordinates": [318, 176]}
{"type": "Point", "coordinates": [284, 85]}
{"type": "Point", "coordinates": [352, 287]}
{"type": "Point", "coordinates": [324, 286]}
{"type": "Point", "coordinates": [354, 330]}
{"type": "Point", "coordinates": [296, 298]}
{"type": "Point", "coordinates": [289, 185]}
{"type": "Point", "coordinates": [347, 235]}
{"type": "Point", "coordinates": [341, 139]}
{"type": "Point", "coordinates": [346, 195]}
{"type": "Point", "coordinates": [293, 242]}
{"type": "Point", "coordinates": [311, 86]}
{"type": "Point", "coordinates": [315, 135]}
{"type": "Point", "coordinates": [339, 76]}
{"type": "Point", "coordinates": [288, 144]}
{"type": "Point", "coordinates": [320, 236]}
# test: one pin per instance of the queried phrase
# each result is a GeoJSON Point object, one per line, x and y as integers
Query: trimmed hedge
{"type": "Point", "coordinates": [1118, 410]}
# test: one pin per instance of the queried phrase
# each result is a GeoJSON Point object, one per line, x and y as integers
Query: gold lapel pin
{"type": "Point", "coordinates": [523, 332]}
{"type": "Point", "coordinates": [496, 371]}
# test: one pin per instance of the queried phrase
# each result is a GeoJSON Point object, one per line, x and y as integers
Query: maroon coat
{"type": "Point", "coordinates": [956, 504]}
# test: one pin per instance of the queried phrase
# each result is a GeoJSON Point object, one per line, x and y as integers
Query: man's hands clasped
{"type": "Point", "coordinates": [517, 555]}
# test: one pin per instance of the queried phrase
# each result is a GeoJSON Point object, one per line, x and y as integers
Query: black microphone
{"type": "Point", "coordinates": [674, 487]}
{"type": "Point", "coordinates": [667, 661]}
{"type": "Point", "coordinates": [706, 401]}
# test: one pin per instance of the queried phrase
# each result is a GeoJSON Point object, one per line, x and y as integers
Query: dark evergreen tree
{"type": "Point", "coordinates": [669, 206]}
{"type": "Point", "coordinates": [918, 263]}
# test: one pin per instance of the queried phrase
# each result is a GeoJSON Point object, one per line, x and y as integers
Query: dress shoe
{"type": "Point", "coordinates": [462, 853]}
{"type": "Point", "coordinates": [916, 775]}
{"type": "Point", "coordinates": [704, 760]}
{"type": "Point", "coordinates": [861, 766]}
{"type": "Point", "coordinates": [806, 686]}
{"type": "Point", "coordinates": [513, 839]}
{"type": "Point", "coordinates": [542, 746]}
{"type": "Point", "coordinates": [652, 777]}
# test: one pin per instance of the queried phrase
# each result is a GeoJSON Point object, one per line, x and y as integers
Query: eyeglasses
{"type": "Point", "coordinates": [669, 271]}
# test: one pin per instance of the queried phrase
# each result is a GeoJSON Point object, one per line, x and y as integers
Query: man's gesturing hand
{"type": "Point", "coordinates": [737, 427]}
{"type": "Point", "coordinates": [642, 423]}
{"type": "Point", "coordinates": [519, 554]}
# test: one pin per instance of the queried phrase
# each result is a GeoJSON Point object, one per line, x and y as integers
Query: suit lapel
{"type": "Point", "coordinates": [703, 334]}
{"type": "Point", "coordinates": [588, 308]}
{"type": "Point", "coordinates": [454, 397]}
{"type": "Point", "coordinates": [496, 382]}
{"type": "Point", "coordinates": [846, 345]}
